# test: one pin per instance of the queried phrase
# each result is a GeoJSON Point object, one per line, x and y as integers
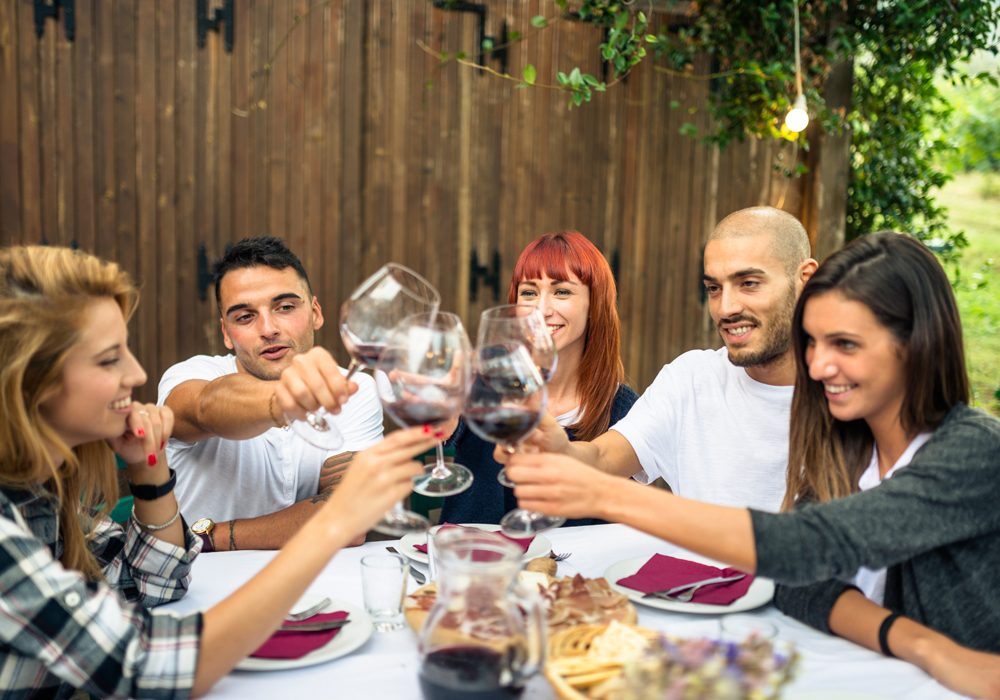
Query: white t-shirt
{"type": "Point", "coordinates": [713, 433]}
{"type": "Point", "coordinates": [225, 479]}
{"type": "Point", "coordinates": [872, 582]}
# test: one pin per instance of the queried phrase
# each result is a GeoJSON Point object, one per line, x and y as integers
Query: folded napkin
{"type": "Point", "coordinates": [661, 573]}
{"type": "Point", "coordinates": [294, 645]}
{"type": "Point", "coordinates": [522, 542]}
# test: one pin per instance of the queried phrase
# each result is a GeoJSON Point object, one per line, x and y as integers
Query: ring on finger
{"type": "Point", "coordinates": [143, 413]}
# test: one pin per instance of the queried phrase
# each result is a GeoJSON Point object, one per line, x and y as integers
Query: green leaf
{"type": "Point", "coordinates": [688, 129]}
{"type": "Point", "coordinates": [674, 104]}
{"type": "Point", "coordinates": [429, 85]}
{"type": "Point", "coordinates": [575, 77]}
{"type": "Point", "coordinates": [578, 98]}
{"type": "Point", "coordinates": [652, 39]}
{"type": "Point", "coordinates": [608, 53]}
{"type": "Point", "coordinates": [539, 21]}
{"type": "Point", "coordinates": [521, 85]}
{"type": "Point", "coordinates": [621, 21]}
{"type": "Point", "coordinates": [513, 36]}
{"type": "Point", "coordinates": [529, 74]}
{"type": "Point", "coordinates": [601, 87]}
{"type": "Point", "coordinates": [642, 17]}
{"type": "Point", "coordinates": [561, 77]}
{"type": "Point", "coordinates": [444, 56]}
{"type": "Point", "coordinates": [487, 44]}
{"type": "Point", "coordinates": [460, 55]}
{"type": "Point", "coordinates": [590, 80]}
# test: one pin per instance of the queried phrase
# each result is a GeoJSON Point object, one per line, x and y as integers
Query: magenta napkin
{"type": "Point", "coordinates": [522, 542]}
{"type": "Point", "coordinates": [295, 645]}
{"type": "Point", "coordinates": [661, 573]}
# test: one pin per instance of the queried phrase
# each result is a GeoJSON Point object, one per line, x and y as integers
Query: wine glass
{"type": "Point", "coordinates": [427, 364]}
{"type": "Point", "coordinates": [367, 319]}
{"type": "Point", "coordinates": [526, 324]}
{"type": "Point", "coordinates": [505, 404]}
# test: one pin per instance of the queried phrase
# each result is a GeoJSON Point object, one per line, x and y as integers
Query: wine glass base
{"type": "Point", "coordinates": [400, 523]}
{"type": "Point", "coordinates": [458, 480]}
{"type": "Point", "coordinates": [319, 431]}
{"type": "Point", "coordinates": [522, 523]}
{"type": "Point", "coordinates": [504, 481]}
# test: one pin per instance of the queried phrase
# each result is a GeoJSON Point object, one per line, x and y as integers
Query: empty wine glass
{"type": "Point", "coordinates": [427, 364]}
{"type": "Point", "coordinates": [367, 319]}
{"type": "Point", "coordinates": [505, 404]}
{"type": "Point", "coordinates": [520, 323]}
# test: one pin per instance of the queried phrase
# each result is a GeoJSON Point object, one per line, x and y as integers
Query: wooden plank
{"type": "Point", "coordinates": [147, 329]}
{"type": "Point", "coordinates": [295, 96]}
{"type": "Point", "coordinates": [124, 144]}
{"type": "Point", "coordinates": [240, 203]}
{"type": "Point", "coordinates": [314, 134]}
{"type": "Point", "coordinates": [331, 159]}
{"type": "Point", "coordinates": [224, 163]}
{"type": "Point", "coordinates": [398, 118]}
{"type": "Point", "coordinates": [277, 109]}
{"type": "Point", "coordinates": [166, 185]}
{"type": "Point", "coordinates": [10, 157]}
{"type": "Point", "coordinates": [30, 146]}
{"type": "Point", "coordinates": [65, 140]}
{"type": "Point", "coordinates": [105, 178]}
{"type": "Point", "coordinates": [352, 43]}
{"type": "Point", "coordinates": [260, 177]}
{"type": "Point", "coordinates": [189, 339]}
{"type": "Point", "coordinates": [85, 191]}
{"type": "Point", "coordinates": [48, 123]}
{"type": "Point", "coordinates": [205, 135]}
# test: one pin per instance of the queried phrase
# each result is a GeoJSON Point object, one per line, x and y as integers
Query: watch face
{"type": "Point", "coordinates": [202, 526]}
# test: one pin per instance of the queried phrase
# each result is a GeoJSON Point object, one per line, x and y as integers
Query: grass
{"type": "Point", "coordinates": [978, 292]}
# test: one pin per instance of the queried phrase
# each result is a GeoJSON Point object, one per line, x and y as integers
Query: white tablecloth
{"type": "Point", "coordinates": [386, 666]}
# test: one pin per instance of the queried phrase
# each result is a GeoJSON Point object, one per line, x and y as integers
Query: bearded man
{"type": "Point", "coordinates": [714, 423]}
{"type": "Point", "coordinates": [244, 479]}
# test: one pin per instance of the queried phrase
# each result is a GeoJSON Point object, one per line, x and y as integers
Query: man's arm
{"type": "Point", "coordinates": [274, 530]}
{"type": "Point", "coordinates": [235, 407]}
{"type": "Point", "coordinates": [611, 452]}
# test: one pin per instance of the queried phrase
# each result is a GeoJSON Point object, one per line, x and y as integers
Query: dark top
{"type": "Point", "coordinates": [935, 525]}
{"type": "Point", "coordinates": [487, 501]}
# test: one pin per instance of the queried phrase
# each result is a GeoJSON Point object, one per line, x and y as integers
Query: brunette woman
{"type": "Point", "coordinates": [74, 586]}
{"type": "Point", "coordinates": [567, 278]}
{"type": "Point", "coordinates": [892, 469]}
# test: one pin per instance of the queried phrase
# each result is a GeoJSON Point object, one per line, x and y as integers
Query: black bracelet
{"type": "Point", "coordinates": [883, 634]}
{"type": "Point", "coordinates": [148, 492]}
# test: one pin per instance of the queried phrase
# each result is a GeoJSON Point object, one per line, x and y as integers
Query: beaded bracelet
{"type": "Point", "coordinates": [270, 411]}
{"type": "Point", "coordinates": [157, 527]}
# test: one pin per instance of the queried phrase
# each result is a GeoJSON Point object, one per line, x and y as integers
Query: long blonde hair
{"type": "Point", "coordinates": [908, 292]}
{"type": "Point", "coordinates": [44, 294]}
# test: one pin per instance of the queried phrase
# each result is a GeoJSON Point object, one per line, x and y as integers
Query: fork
{"type": "Point", "coordinates": [417, 576]}
{"type": "Point", "coordinates": [308, 612]}
{"type": "Point", "coordinates": [560, 557]}
{"type": "Point", "coordinates": [684, 594]}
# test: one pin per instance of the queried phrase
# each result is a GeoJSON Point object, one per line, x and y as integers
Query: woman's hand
{"type": "Point", "coordinates": [968, 672]}
{"type": "Point", "coordinates": [549, 436]}
{"type": "Point", "coordinates": [559, 485]}
{"type": "Point", "coordinates": [378, 478]}
{"type": "Point", "coordinates": [147, 429]}
{"type": "Point", "coordinates": [312, 380]}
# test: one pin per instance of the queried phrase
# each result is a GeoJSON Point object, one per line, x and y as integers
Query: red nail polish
{"type": "Point", "coordinates": [439, 435]}
{"type": "Point", "coordinates": [152, 460]}
{"type": "Point", "coordinates": [140, 432]}
{"type": "Point", "coordinates": [427, 429]}
{"type": "Point", "coordinates": [162, 444]}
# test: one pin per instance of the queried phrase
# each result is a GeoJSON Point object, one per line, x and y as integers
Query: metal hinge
{"type": "Point", "coordinates": [491, 278]}
{"type": "Point", "coordinates": [206, 23]}
{"type": "Point", "coordinates": [44, 10]}
{"type": "Point", "coordinates": [479, 10]}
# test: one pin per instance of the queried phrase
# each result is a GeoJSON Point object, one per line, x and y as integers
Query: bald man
{"type": "Point", "coordinates": [714, 423]}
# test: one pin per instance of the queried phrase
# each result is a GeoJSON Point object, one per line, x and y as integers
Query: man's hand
{"type": "Point", "coordinates": [378, 478]}
{"type": "Point", "coordinates": [312, 380]}
{"type": "Point", "coordinates": [559, 485]}
{"type": "Point", "coordinates": [549, 436]}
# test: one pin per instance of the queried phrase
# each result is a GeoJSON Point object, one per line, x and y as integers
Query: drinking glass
{"type": "Point", "coordinates": [427, 363]}
{"type": "Point", "coordinates": [505, 404]}
{"type": "Point", "coordinates": [367, 319]}
{"type": "Point", "coordinates": [512, 322]}
{"type": "Point", "coordinates": [383, 580]}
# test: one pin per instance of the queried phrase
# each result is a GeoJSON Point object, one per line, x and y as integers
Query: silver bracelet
{"type": "Point", "coordinates": [157, 527]}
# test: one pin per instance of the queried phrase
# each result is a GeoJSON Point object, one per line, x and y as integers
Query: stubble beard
{"type": "Point", "coordinates": [777, 337]}
{"type": "Point", "coordinates": [262, 369]}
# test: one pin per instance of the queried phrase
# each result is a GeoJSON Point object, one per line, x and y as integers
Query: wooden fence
{"type": "Point", "coordinates": [336, 127]}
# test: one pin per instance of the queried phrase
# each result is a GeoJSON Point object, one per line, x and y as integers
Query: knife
{"type": "Point", "coordinates": [673, 592]}
{"type": "Point", "coordinates": [313, 626]}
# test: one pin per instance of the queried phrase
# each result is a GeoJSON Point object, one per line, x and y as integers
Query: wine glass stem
{"type": "Point", "coordinates": [351, 369]}
{"type": "Point", "coordinates": [441, 470]}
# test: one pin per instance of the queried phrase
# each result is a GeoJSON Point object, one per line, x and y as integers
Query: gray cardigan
{"type": "Point", "coordinates": [935, 525]}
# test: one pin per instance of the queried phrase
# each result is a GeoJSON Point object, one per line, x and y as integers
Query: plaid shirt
{"type": "Point", "coordinates": [59, 631]}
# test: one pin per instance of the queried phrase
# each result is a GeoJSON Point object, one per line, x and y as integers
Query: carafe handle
{"type": "Point", "coordinates": [536, 629]}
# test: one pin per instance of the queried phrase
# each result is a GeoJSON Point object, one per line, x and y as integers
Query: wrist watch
{"type": "Point", "coordinates": [202, 528]}
{"type": "Point", "coordinates": [149, 492]}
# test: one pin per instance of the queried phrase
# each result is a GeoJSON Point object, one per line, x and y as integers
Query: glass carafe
{"type": "Point", "coordinates": [485, 635]}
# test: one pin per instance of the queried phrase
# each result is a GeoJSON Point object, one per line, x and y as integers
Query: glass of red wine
{"type": "Point", "coordinates": [520, 323]}
{"type": "Point", "coordinates": [367, 319]}
{"type": "Point", "coordinates": [505, 404]}
{"type": "Point", "coordinates": [427, 368]}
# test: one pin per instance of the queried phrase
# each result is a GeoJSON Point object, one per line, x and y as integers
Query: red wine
{"type": "Point", "coordinates": [464, 673]}
{"type": "Point", "coordinates": [367, 355]}
{"type": "Point", "coordinates": [508, 426]}
{"type": "Point", "coordinates": [546, 373]}
{"type": "Point", "coordinates": [411, 413]}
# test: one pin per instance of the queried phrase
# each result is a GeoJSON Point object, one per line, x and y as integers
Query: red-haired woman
{"type": "Point", "coordinates": [568, 279]}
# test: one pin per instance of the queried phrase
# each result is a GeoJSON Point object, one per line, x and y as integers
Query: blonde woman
{"type": "Point", "coordinates": [75, 587]}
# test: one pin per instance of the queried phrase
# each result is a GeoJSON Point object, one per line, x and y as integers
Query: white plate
{"type": "Point", "coordinates": [540, 546]}
{"type": "Point", "coordinates": [760, 593]}
{"type": "Point", "coordinates": [347, 640]}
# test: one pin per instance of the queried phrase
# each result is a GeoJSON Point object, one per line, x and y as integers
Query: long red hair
{"type": "Point", "coordinates": [601, 370]}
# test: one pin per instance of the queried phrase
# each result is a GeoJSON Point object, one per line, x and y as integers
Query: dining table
{"type": "Point", "coordinates": [385, 667]}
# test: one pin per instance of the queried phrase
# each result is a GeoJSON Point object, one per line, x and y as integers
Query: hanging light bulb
{"type": "Point", "coordinates": [797, 118]}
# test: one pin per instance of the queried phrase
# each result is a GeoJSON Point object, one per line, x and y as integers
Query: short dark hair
{"type": "Point", "coordinates": [263, 251]}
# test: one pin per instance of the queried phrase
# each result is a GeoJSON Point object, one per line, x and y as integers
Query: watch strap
{"type": "Point", "coordinates": [149, 492]}
{"type": "Point", "coordinates": [206, 542]}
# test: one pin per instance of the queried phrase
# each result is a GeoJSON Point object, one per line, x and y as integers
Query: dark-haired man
{"type": "Point", "coordinates": [247, 479]}
{"type": "Point", "coordinates": [714, 423]}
